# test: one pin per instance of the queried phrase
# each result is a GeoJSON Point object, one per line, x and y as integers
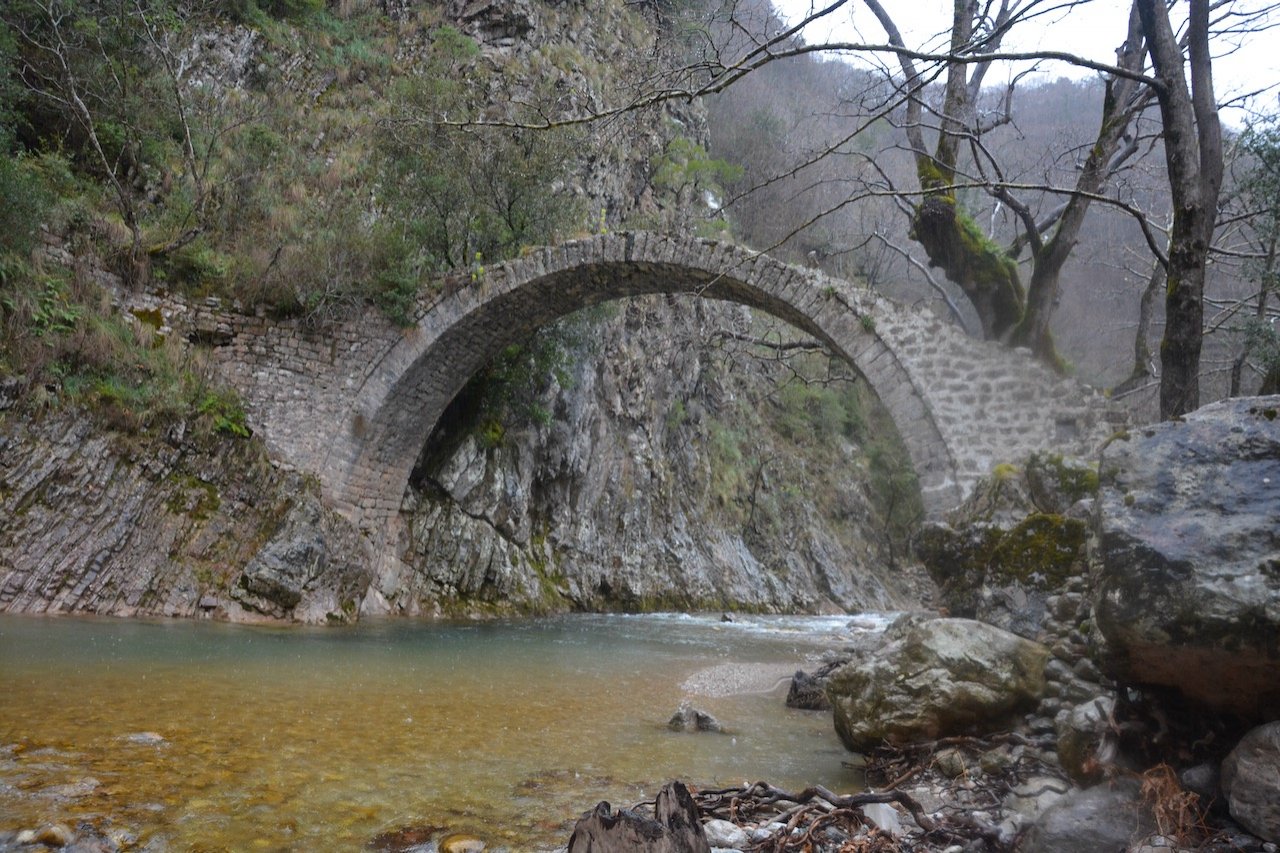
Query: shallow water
{"type": "Point", "coordinates": [287, 739]}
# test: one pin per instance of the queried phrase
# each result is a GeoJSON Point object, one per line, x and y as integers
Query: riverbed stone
{"type": "Point", "coordinates": [1102, 818]}
{"type": "Point", "coordinates": [53, 835]}
{"type": "Point", "coordinates": [724, 834]}
{"type": "Point", "coordinates": [1251, 781]}
{"type": "Point", "coordinates": [1189, 583]}
{"type": "Point", "coordinates": [933, 679]}
{"type": "Point", "coordinates": [690, 719]}
{"type": "Point", "coordinates": [884, 817]}
{"type": "Point", "coordinates": [461, 842]}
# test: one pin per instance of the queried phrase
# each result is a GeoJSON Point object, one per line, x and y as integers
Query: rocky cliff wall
{"type": "Point", "coordinates": [667, 469]}
{"type": "Point", "coordinates": [181, 525]}
{"type": "Point", "coordinates": [669, 474]}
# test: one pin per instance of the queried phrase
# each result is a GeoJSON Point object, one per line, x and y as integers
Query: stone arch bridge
{"type": "Point", "coordinates": [355, 405]}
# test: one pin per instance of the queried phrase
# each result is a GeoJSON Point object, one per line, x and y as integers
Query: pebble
{"type": "Point", "coordinates": [994, 761]}
{"type": "Point", "coordinates": [722, 833]}
{"type": "Point", "coordinates": [950, 762]}
{"type": "Point", "coordinates": [146, 738]}
{"type": "Point", "coordinates": [50, 835]}
{"type": "Point", "coordinates": [884, 817]}
{"type": "Point", "coordinates": [1041, 725]}
{"type": "Point", "coordinates": [1087, 669]}
{"type": "Point", "coordinates": [459, 842]}
{"type": "Point", "coordinates": [1056, 670]}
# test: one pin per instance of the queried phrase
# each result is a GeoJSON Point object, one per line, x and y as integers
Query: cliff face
{"type": "Point", "coordinates": [673, 454]}
{"type": "Point", "coordinates": [177, 525]}
{"type": "Point", "coordinates": [669, 474]}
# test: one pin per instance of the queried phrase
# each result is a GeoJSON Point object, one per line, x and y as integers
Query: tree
{"type": "Point", "coordinates": [959, 163]}
{"type": "Point", "coordinates": [1259, 193]}
{"type": "Point", "coordinates": [986, 272]}
{"type": "Point", "coordinates": [106, 82]}
{"type": "Point", "coordinates": [1193, 161]}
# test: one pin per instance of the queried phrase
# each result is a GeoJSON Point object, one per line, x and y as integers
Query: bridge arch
{"type": "Point", "coordinates": [372, 454]}
{"type": "Point", "coordinates": [358, 417]}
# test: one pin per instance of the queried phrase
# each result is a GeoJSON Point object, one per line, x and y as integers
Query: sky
{"type": "Point", "coordinates": [1093, 31]}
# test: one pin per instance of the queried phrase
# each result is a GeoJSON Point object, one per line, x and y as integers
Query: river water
{"type": "Point", "coordinates": [200, 736]}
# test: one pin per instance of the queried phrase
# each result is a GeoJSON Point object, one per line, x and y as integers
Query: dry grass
{"type": "Point", "coordinates": [1177, 811]}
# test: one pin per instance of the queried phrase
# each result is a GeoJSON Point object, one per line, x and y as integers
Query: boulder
{"type": "Point", "coordinates": [1086, 743]}
{"type": "Point", "coordinates": [1105, 817]}
{"type": "Point", "coordinates": [690, 719]}
{"type": "Point", "coordinates": [933, 679]}
{"type": "Point", "coordinates": [1189, 582]}
{"type": "Point", "coordinates": [1251, 781]}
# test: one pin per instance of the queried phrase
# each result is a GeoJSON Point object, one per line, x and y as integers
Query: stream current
{"type": "Point", "coordinates": [202, 736]}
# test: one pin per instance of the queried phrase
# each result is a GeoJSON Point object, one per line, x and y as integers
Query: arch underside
{"type": "Point", "coordinates": [369, 463]}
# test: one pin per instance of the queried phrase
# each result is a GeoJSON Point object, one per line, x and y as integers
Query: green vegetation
{"type": "Point", "coordinates": [460, 194]}
{"type": "Point", "coordinates": [272, 189]}
{"type": "Point", "coordinates": [513, 387]}
{"type": "Point", "coordinates": [692, 176]}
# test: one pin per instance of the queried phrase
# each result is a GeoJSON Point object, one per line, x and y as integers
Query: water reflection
{"type": "Point", "coordinates": [202, 736]}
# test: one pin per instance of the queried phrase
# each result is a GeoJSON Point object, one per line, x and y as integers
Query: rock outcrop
{"type": "Point", "coordinates": [1015, 544]}
{"type": "Point", "coordinates": [653, 484]}
{"type": "Point", "coordinates": [933, 679]}
{"type": "Point", "coordinates": [95, 521]}
{"type": "Point", "coordinates": [310, 569]}
{"type": "Point", "coordinates": [643, 489]}
{"type": "Point", "coordinates": [1189, 587]}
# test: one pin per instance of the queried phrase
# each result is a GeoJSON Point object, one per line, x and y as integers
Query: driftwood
{"type": "Point", "coordinates": [809, 691]}
{"type": "Point", "coordinates": [674, 828]}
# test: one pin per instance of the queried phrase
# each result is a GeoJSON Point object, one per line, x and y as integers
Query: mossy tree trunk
{"type": "Point", "coordinates": [986, 274]}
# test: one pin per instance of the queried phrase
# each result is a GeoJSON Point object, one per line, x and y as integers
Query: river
{"type": "Point", "coordinates": [202, 736]}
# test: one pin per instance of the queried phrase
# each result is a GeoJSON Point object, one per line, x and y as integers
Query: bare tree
{"type": "Point", "coordinates": [987, 272]}
{"type": "Point", "coordinates": [72, 67]}
{"type": "Point", "coordinates": [1193, 159]}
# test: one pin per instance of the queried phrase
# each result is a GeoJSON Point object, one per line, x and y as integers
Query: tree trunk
{"type": "Point", "coordinates": [988, 276]}
{"type": "Point", "coordinates": [1141, 347]}
{"type": "Point", "coordinates": [1118, 108]}
{"type": "Point", "coordinates": [675, 827]}
{"type": "Point", "coordinates": [1193, 159]}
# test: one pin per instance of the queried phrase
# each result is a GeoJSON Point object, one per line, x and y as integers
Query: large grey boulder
{"type": "Point", "coordinates": [1189, 525]}
{"type": "Point", "coordinates": [1103, 818]}
{"type": "Point", "coordinates": [1251, 781]}
{"type": "Point", "coordinates": [933, 679]}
